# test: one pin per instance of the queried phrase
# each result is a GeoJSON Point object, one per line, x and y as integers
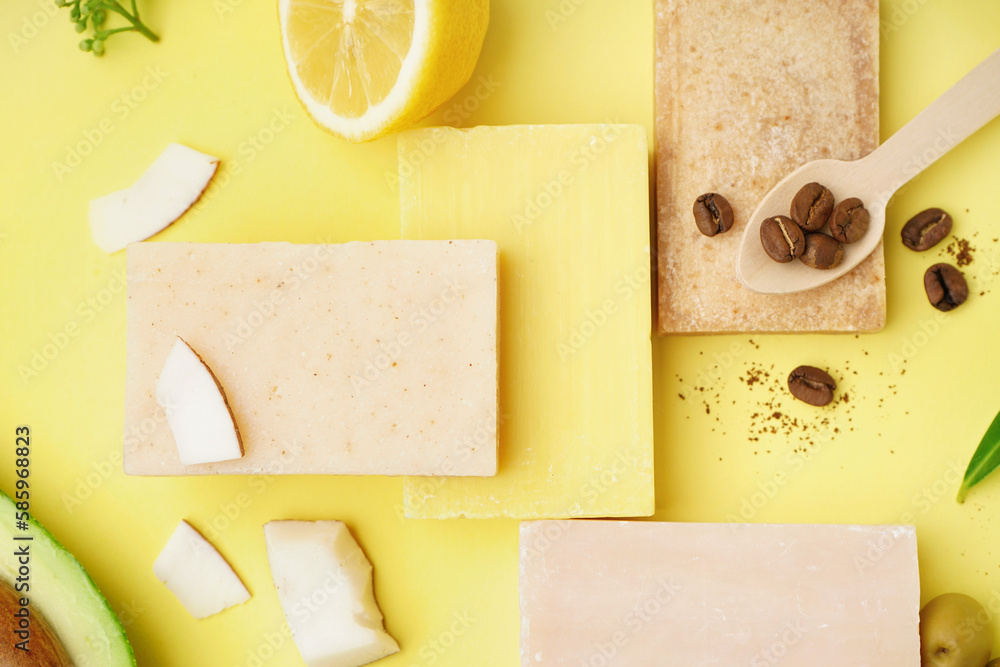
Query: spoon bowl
{"type": "Point", "coordinates": [963, 109]}
{"type": "Point", "coordinates": [844, 179]}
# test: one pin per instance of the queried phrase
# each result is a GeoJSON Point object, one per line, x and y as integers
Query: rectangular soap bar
{"type": "Point", "coordinates": [620, 594]}
{"type": "Point", "coordinates": [746, 92]}
{"type": "Point", "coordinates": [569, 209]}
{"type": "Point", "coordinates": [357, 359]}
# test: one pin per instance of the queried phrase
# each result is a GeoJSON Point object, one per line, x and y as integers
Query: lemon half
{"type": "Point", "coordinates": [365, 68]}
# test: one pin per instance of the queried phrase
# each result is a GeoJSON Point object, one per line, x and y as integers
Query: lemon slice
{"type": "Point", "coordinates": [364, 68]}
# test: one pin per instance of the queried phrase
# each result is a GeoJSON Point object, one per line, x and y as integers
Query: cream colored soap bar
{"type": "Point", "coordinates": [745, 93]}
{"type": "Point", "coordinates": [569, 209]}
{"type": "Point", "coordinates": [359, 359]}
{"type": "Point", "coordinates": [622, 594]}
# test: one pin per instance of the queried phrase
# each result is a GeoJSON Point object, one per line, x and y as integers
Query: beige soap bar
{"type": "Point", "coordinates": [622, 594]}
{"type": "Point", "coordinates": [360, 359]}
{"type": "Point", "coordinates": [747, 92]}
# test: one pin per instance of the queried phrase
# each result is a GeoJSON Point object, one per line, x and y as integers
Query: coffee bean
{"type": "Point", "coordinates": [812, 206]}
{"type": "Point", "coordinates": [713, 214]}
{"type": "Point", "coordinates": [849, 221]}
{"type": "Point", "coordinates": [926, 229]}
{"type": "Point", "coordinates": [811, 385]}
{"type": "Point", "coordinates": [782, 239]}
{"type": "Point", "coordinates": [945, 286]}
{"type": "Point", "coordinates": [822, 252]}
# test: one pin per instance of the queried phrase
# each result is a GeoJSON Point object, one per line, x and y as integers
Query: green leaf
{"type": "Point", "coordinates": [984, 461]}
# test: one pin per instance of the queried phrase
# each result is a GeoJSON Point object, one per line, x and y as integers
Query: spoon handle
{"type": "Point", "coordinates": [968, 105]}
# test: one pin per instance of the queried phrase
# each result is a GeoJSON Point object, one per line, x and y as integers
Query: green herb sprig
{"type": "Point", "coordinates": [94, 13]}
{"type": "Point", "coordinates": [984, 461]}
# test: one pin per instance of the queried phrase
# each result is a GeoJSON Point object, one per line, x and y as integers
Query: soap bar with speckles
{"type": "Point", "coordinates": [628, 593]}
{"type": "Point", "coordinates": [372, 358]}
{"type": "Point", "coordinates": [746, 92]}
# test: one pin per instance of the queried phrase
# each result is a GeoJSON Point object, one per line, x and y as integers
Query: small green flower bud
{"type": "Point", "coordinates": [99, 17]}
{"type": "Point", "coordinates": [98, 47]}
{"type": "Point", "coordinates": [80, 26]}
{"type": "Point", "coordinates": [86, 45]}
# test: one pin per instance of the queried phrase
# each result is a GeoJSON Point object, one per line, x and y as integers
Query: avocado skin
{"type": "Point", "coordinates": [82, 620]}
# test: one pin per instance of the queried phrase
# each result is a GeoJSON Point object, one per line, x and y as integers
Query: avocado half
{"type": "Point", "coordinates": [64, 595]}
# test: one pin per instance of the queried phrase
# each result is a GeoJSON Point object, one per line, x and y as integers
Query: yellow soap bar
{"type": "Point", "coordinates": [569, 209]}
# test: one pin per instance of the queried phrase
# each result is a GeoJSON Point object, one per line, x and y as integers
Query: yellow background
{"type": "Point", "coordinates": [217, 82]}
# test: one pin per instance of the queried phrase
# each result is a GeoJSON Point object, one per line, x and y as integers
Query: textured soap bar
{"type": "Point", "coordinates": [746, 92]}
{"type": "Point", "coordinates": [623, 594]}
{"type": "Point", "coordinates": [360, 358]}
{"type": "Point", "coordinates": [568, 207]}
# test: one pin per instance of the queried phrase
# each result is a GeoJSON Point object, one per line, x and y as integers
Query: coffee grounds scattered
{"type": "Point", "coordinates": [769, 420]}
{"type": "Point", "coordinates": [961, 249]}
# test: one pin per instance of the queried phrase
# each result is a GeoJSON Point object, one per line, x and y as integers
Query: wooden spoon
{"type": "Point", "coordinates": [963, 109]}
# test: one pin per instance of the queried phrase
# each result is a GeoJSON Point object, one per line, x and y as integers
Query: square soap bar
{"type": "Point", "coordinates": [569, 209]}
{"type": "Point", "coordinates": [686, 594]}
{"type": "Point", "coordinates": [356, 359]}
{"type": "Point", "coordinates": [746, 92]}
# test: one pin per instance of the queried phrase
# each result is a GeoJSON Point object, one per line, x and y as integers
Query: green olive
{"type": "Point", "coordinates": [954, 632]}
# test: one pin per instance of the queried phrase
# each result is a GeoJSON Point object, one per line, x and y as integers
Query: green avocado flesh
{"type": "Point", "coordinates": [63, 593]}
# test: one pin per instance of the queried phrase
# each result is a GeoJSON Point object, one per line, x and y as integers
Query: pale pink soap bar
{"type": "Point", "coordinates": [375, 358]}
{"type": "Point", "coordinates": [621, 593]}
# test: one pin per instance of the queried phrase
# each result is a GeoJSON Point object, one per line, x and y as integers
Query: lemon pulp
{"type": "Point", "coordinates": [348, 53]}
